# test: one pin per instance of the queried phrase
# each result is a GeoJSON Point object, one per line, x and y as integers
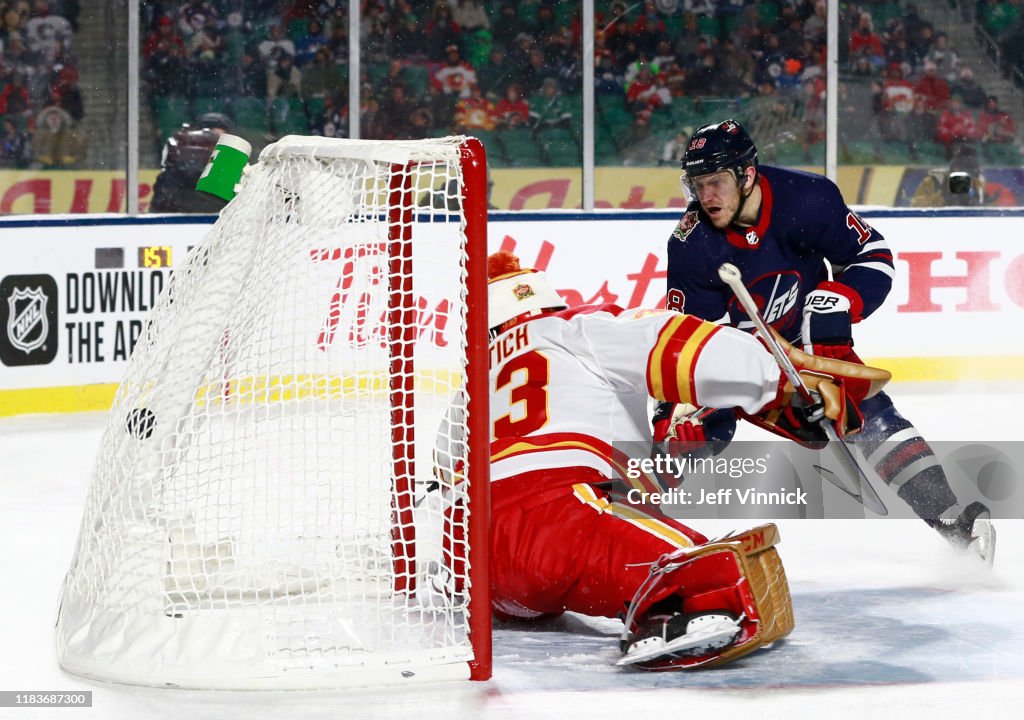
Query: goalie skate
{"type": "Point", "coordinates": [675, 636]}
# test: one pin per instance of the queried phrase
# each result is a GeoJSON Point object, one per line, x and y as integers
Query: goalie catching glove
{"type": "Point", "coordinates": [837, 387]}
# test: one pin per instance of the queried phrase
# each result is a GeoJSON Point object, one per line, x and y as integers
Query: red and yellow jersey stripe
{"type": "Point", "coordinates": [672, 361]}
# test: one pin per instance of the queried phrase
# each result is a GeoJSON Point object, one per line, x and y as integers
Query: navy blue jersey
{"type": "Point", "coordinates": [803, 222]}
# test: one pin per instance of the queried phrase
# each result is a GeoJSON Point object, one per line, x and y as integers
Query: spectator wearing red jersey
{"type": "Point", "coordinates": [895, 103]}
{"type": "Point", "coordinates": [475, 112]}
{"type": "Point", "coordinates": [864, 40]}
{"type": "Point", "coordinates": [165, 33]}
{"type": "Point", "coordinates": [513, 110]}
{"type": "Point", "coordinates": [456, 76]}
{"type": "Point", "coordinates": [933, 88]}
{"type": "Point", "coordinates": [956, 125]}
{"type": "Point", "coordinates": [14, 96]}
{"type": "Point", "coordinates": [645, 94]}
{"type": "Point", "coordinates": [994, 124]}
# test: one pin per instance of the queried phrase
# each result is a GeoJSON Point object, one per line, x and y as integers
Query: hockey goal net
{"type": "Point", "coordinates": [265, 508]}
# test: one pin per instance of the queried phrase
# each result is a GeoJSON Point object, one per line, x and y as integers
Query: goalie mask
{"type": "Point", "coordinates": [513, 291]}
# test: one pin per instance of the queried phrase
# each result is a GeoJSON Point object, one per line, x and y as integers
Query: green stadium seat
{"type": "Point", "coordinates": [930, 153]}
{"type": "Point", "coordinates": [606, 151]}
{"type": "Point", "coordinates": [896, 152]}
{"type": "Point", "coordinates": [208, 104]}
{"type": "Point", "coordinates": [564, 12]}
{"type": "Point", "coordinates": [561, 147]}
{"type": "Point", "coordinates": [250, 114]}
{"type": "Point", "coordinates": [288, 116]}
{"type": "Point", "coordinates": [297, 28]}
{"type": "Point", "coordinates": [314, 106]}
{"type": "Point", "coordinates": [768, 12]}
{"type": "Point", "coordinates": [522, 148]}
{"type": "Point", "coordinates": [377, 73]}
{"type": "Point", "coordinates": [171, 112]}
{"type": "Point", "coordinates": [863, 152]}
{"type": "Point", "coordinates": [494, 146]}
{"type": "Point", "coordinates": [416, 79]}
{"type": "Point", "coordinates": [662, 121]}
{"type": "Point", "coordinates": [882, 13]}
{"type": "Point", "coordinates": [1001, 155]}
{"type": "Point", "coordinates": [708, 25]}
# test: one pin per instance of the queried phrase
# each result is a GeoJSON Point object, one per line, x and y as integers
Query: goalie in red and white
{"type": "Point", "coordinates": [566, 383]}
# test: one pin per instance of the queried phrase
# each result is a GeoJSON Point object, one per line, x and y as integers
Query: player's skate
{"type": "Point", "coordinates": [670, 637]}
{"type": "Point", "coordinates": [971, 530]}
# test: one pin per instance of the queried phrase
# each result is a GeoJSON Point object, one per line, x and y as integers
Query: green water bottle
{"type": "Point", "coordinates": [221, 175]}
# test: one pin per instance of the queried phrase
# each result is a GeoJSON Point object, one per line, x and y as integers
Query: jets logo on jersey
{"type": "Point", "coordinates": [776, 295]}
{"type": "Point", "coordinates": [686, 225]}
{"type": "Point", "coordinates": [522, 291]}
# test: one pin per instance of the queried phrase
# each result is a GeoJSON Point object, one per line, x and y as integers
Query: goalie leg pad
{"type": "Point", "coordinates": [740, 577]}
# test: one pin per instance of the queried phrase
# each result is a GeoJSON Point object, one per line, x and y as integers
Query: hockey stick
{"type": "Point", "coordinates": [863, 491]}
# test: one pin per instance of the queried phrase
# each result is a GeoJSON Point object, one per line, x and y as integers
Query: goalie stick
{"type": "Point", "coordinates": [862, 490]}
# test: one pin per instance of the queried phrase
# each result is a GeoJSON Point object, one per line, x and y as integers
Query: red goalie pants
{"type": "Point", "coordinates": [561, 543]}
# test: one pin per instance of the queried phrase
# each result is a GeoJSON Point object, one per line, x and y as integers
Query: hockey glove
{"type": "Point", "coordinates": [682, 428]}
{"type": "Point", "coordinates": [826, 329]}
{"type": "Point", "coordinates": [837, 389]}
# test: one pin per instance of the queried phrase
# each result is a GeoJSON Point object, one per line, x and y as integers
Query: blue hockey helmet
{"type": "Point", "coordinates": [719, 146]}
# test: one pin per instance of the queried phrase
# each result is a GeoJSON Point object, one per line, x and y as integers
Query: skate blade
{"type": "Point", "coordinates": [706, 640]}
{"type": "Point", "coordinates": [983, 543]}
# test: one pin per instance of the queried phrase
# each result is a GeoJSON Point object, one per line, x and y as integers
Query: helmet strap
{"type": "Point", "coordinates": [740, 178]}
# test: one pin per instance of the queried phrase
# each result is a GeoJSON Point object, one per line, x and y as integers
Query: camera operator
{"type": "Point", "coordinates": [959, 185]}
{"type": "Point", "coordinates": [184, 156]}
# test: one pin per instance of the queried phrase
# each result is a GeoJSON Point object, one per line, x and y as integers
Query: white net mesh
{"type": "Point", "coordinates": [259, 504]}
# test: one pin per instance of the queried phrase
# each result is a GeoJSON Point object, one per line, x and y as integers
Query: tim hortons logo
{"type": "Point", "coordinates": [975, 280]}
{"type": "Point", "coordinates": [27, 326]}
{"type": "Point", "coordinates": [522, 291]}
{"type": "Point", "coordinates": [356, 306]}
{"type": "Point", "coordinates": [643, 287]}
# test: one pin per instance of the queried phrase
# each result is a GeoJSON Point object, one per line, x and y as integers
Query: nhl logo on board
{"type": "Point", "coordinates": [27, 326]}
{"type": "Point", "coordinates": [752, 238]}
{"type": "Point", "coordinates": [28, 320]}
{"type": "Point", "coordinates": [522, 291]}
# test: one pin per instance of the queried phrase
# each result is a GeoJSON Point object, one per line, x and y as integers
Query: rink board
{"type": "Point", "coordinates": [85, 284]}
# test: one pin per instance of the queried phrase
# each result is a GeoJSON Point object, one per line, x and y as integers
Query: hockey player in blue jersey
{"type": "Point", "coordinates": [783, 229]}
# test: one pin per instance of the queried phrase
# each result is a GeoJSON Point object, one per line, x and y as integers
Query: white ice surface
{"type": "Point", "coordinates": [890, 623]}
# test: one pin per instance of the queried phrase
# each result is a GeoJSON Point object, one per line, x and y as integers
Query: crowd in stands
{"type": "Point", "coordinates": [41, 106]}
{"type": "Point", "coordinates": [1003, 23]}
{"type": "Point", "coordinates": [511, 72]}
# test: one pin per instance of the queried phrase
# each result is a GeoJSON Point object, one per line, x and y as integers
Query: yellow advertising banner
{"type": "Point", "coordinates": [621, 188]}
{"type": "Point", "coordinates": [42, 192]}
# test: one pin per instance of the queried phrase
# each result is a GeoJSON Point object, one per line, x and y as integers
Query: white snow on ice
{"type": "Point", "coordinates": [890, 622]}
